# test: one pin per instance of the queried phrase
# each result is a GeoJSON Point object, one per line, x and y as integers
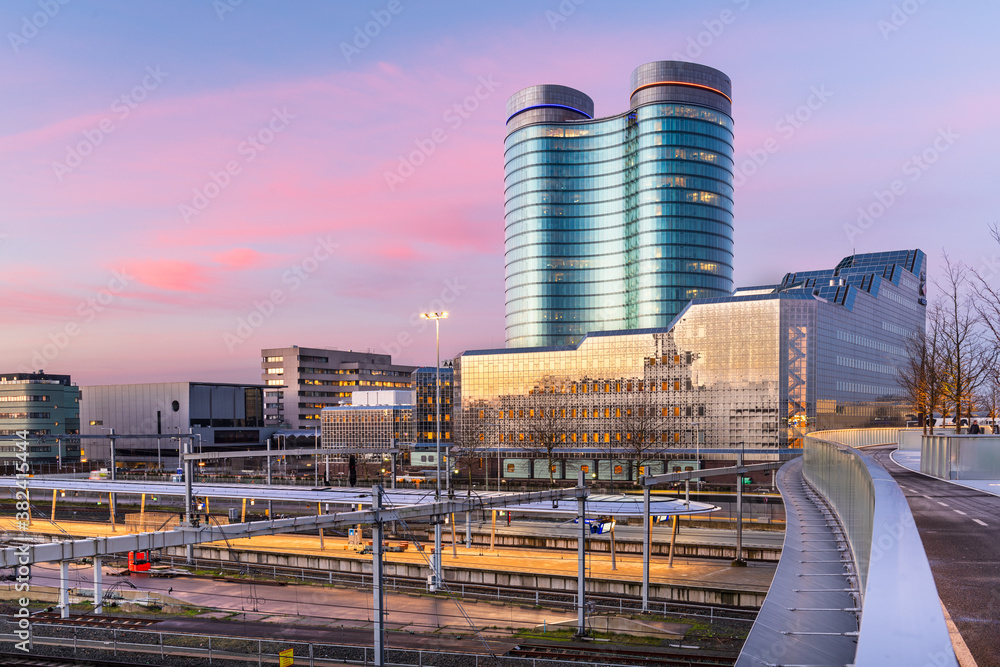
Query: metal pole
{"type": "Point", "coordinates": [64, 589]}
{"type": "Point", "coordinates": [188, 469]}
{"type": "Point", "coordinates": [646, 524]}
{"type": "Point", "coordinates": [187, 483]}
{"type": "Point", "coordinates": [673, 541]}
{"type": "Point", "coordinates": [113, 470]}
{"type": "Point", "coordinates": [437, 553]}
{"type": "Point", "coordinates": [269, 513]}
{"type": "Point", "coordinates": [316, 457]}
{"type": "Point", "coordinates": [378, 581]}
{"type": "Point", "coordinates": [468, 529]}
{"type": "Point", "coordinates": [454, 548]}
{"type": "Point", "coordinates": [437, 404]}
{"type": "Point", "coordinates": [738, 561]}
{"type": "Point", "coordinates": [581, 554]}
{"type": "Point", "coordinates": [614, 565]}
{"type": "Point", "coordinates": [98, 593]}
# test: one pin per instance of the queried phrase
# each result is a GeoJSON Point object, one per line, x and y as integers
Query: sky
{"type": "Point", "coordinates": [184, 183]}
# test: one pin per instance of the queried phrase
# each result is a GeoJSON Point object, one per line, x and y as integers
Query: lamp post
{"type": "Point", "coordinates": [111, 436]}
{"type": "Point", "coordinates": [437, 317]}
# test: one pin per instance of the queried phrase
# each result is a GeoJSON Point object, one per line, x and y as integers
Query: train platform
{"type": "Point", "coordinates": [477, 564]}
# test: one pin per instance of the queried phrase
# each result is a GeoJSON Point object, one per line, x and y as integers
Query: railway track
{"type": "Point", "coordinates": [622, 656]}
{"type": "Point", "coordinates": [621, 603]}
{"type": "Point", "coordinates": [22, 660]}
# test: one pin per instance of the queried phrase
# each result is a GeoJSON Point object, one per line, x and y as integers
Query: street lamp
{"type": "Point", "coordinates": [437, 317]}
{"type": "Point", "coordinates": [111, 436]}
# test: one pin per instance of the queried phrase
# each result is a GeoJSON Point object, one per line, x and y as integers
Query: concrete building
{"type": "Point", "coordinates": [616, 223]}
{"type": "Point", "coordinates": [302, 381]}
{"type": "Point", "coordinates": [47, 408]}
{"type": "Point", "coordinates": [753, 371]}
{"type": "Point", "coordinates": [225, 416]}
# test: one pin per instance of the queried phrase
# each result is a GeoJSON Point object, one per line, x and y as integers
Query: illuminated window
{"type": "Point", "coordinates": [677, 437]}
{"type": "Point", "coordinates": [677, 412]}
{"type": "Point", "coordinates": [677, 385]}
{"type": "Point", "coordinates": [618, 470]}
{"type": "Point", "coordinates": [510, 467]}
{"type": "Point", "coordinates": [666, 412]}
{"type": "Point", "coordinates": [275, 371]}
{"type": "Point", "coordinates": [585, 468]}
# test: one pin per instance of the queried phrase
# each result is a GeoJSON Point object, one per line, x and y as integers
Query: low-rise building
{"type": "Point", "coordinates": [224, 417]}
{"type": "Point", "coordinates": [45, 409]}
{"type": "Point", "coordinates": [301, 381]}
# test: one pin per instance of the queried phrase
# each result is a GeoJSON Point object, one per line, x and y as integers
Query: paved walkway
{"type": "Point", "coordinates": [958, 526]}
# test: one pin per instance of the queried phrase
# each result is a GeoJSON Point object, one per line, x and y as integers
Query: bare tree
{"type": "Point", "coordinates": [967, 359]}
{"type": "Point", "coordinates": [641, 422]}
{"type": "Point", "coordinates": [922, 374]}
{"type": "Point", "coordinates": [547, 425]}
{"type": "Point", "coordinates": [471, 437]}
{"type": "Point", "coordinates": [989, 396]}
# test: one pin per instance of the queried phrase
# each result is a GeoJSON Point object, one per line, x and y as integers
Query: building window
{"type": "Point", "coordinates": [272, 360]}
{"type": "Point", "coordinates": [275, 371]}
{"type": "Point", "coordinates": [510, 467]}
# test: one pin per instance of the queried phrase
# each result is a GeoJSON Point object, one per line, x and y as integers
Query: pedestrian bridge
{"type": "Point", "coordinates": [853, 586]}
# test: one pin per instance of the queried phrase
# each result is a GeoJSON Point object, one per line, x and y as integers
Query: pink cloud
{"type": "Point", "coordinates": [239, 258]}
{"type": "Point", "coordinates": [171, 275]}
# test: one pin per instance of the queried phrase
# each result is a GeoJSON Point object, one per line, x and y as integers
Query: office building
{"type": "Point", "coordinates": [224, 417]}
{"type": "Point", "coordinates": [302, 381]}
{"type": "Point", "coordinates": [751, 372]}
{"type": "Point", "coordinates": [424, 408]}
{"type": "Point", "coordinates": [45, 408]}
{"type": "Point", "coordinates": [374, 420]}
{"type": "Point", "coordinates": [616, 223]}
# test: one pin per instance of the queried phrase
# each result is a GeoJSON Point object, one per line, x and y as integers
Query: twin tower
{"type": "Point", "coordinates": [616, 223]}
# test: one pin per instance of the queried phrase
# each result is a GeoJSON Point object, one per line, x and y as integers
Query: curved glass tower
{"type": "Point", "coordinates": [616, 223]}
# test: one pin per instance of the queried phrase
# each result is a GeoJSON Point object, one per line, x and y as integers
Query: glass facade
{"type": "Point", "coordinates": [617, 223]}
{"type": "Point", "coordinates": [424, 410]}
{"type": "Point", "coordinates": [755, 370]}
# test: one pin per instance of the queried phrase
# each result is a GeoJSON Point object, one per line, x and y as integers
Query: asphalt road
{"type": "Point", "coordinates": [960, 528]}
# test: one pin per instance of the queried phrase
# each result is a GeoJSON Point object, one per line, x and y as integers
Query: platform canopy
{"type": "Point", "coordinates": [597, 504]}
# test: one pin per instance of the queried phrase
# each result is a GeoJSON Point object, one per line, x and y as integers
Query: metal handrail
{"type": "Point", "coordinates": [902, 621]}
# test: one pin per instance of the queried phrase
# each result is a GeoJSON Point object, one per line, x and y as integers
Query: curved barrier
{"type": "Point", "coordinates": [902, 622]}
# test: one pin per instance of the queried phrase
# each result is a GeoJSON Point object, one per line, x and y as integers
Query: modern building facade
{"type": "Point", "coordinates": [616, 223]}
{"type": "Point", "coordinates": [45, 408]}
{"type": "Point", "coordinates": [225, 417]}
{"type": "Point", "coordinates": [753, 371]}
{"type": "Point", "coordinates": [303, 380]}
{"type": "Point", "coordinates": [374, 420]}
{"type": "Point", "coordinates": [424, 407]}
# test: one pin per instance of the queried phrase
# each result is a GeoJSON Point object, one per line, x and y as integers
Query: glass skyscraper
{"type": "Point", "coordinates": [617, 223]}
